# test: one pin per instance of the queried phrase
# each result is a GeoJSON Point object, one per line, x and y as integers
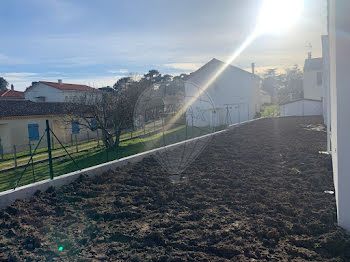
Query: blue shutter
{"type": "Point", "coordinates": [75, 127]}
{"type": "Point", "coordinates": [93, 124]}
{"type": "Point", "coordinates": [33, 132]}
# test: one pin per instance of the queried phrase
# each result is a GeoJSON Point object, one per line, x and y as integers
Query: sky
{"type": "Point", "coordinates": [97, 42]}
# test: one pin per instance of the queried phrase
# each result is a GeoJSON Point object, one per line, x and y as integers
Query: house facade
{"type": "Point", "coordinates": [313, 78]}
{"type": "Point", "coordinates": [59, 92]}
{"type": "Point", "coordinates": [234, 94]}
{"type": "Point", "coordinates": [24, 122]}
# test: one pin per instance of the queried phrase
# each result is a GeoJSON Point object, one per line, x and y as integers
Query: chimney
{"type": "Point", "coordinates": [12, 87]}
{"type": "Point", "coordinates": [60, 81]}
{"type": "Point", "coordinates": [309, 55]}
{"type": "Point", "coordinates": [253, 68]}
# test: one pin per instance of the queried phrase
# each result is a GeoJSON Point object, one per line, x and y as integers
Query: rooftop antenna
{"type": "Point", "coordinates": [309, 49]}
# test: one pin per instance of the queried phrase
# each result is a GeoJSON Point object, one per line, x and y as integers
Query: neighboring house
{"type": "Point", "coordinates": [234, 95]}
{"type": "Point", "coordinates": [301, 107]}
{"type": "Point", "coordinates": [22, 121]}
{"type": "Point", "coordinates": [58, 92]}
{"type": "Point", "coordinates": [313, 76]}
{"type": "Point", "coordinates": [11, 94]}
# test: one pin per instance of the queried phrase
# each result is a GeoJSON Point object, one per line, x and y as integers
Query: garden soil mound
{"type": "Point", "coordinates": [256, 193]}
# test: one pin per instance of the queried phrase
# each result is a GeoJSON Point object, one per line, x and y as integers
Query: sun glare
{"type": "Point", "coordinates": [277, 16]}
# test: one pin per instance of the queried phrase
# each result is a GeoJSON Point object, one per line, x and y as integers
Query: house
{"type": "Point", "coordinates": [24, 122]}
{"type": "Point", "coordinates": [313, 75]}
{"type": "Point", "coordinates": [301, 107]}
{"type": "Point", "coordinates": [232, 96]}
{"type": "Point", "coordinates": [58, 92]}
{"type": "Point", "coordinates": [11, 94]}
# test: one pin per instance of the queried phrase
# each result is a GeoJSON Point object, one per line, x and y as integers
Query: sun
{"type": "Point", "coordinates": [276, 16]}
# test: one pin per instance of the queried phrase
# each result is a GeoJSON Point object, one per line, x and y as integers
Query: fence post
{"type": "Point", "coordinates": [30, 151]}
{"type": "Point", "coordinates": [71, 139]}
{"type": "Point", "coordinates": [14, 155]}
{"type": "Point", "coordinates": [2, 150]}
{"type": "Point", "coordinates": [98, 138]}
{"type": "Point", "coordinates": [49, 148]}
{"type": "Point", "coordinates": [76, 143]}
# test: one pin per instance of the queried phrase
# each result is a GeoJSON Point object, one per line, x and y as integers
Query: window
{"type": "Point", "coordinates": [75, 127]}
{"type": "Point", "coordinates": [93, 124]}
{"type": "Point", "coordinates": [33, 132]}
{"type": "Point", "coordinates": [41, 99]}
{"type": "Point", "coordinates": [319, 78]}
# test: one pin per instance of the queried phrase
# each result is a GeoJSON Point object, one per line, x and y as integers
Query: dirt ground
{"type": "Point", "coordinates": [254, 194]}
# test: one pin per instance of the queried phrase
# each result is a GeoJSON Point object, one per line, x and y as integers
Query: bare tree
{"type": "Point", "coordinates": [110, 112]}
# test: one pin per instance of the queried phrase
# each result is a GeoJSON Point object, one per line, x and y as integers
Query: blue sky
{"type": "Point", "coordinates": [97, 42]}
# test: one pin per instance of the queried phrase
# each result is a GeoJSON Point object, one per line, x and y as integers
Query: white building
{"type": "Point", "coordinates": [313, 74]}
{"type": "Point", "coordinates": [234, 94]}
{"type": "Point", "coordinates": [339, 64]}
{"type": "Point", "coordinates": [301, 107]}
{"type": "Point", "coordinates": [58, 92]}
{"type": "Point", "coordinates": [325, 80]}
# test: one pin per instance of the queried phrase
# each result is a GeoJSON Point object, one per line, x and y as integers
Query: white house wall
{"type": "Point", "coordinates": [51, 94]}
{"type": "Point", "coordinates": [301, 108]}
{"type": "Point", "coordinates": [311, 89]}
{"type": "Point", "coordinates": [339, 46]}
{"type": "Point", "coordinates": [325, 80]}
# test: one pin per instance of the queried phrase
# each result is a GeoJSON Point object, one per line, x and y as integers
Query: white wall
{"type": "Point", "coordinates": [301, 108]}
{"type": "Point", "coordinates": [339, 47]}
{"type": "Point", "coordinates": [311, 89]}
{"type": "Point", "coordinates": [325, 80]}
{"type": "Point", "coordinates": [51, 94]}
{"type": "Point", "coordinates": [75, 96]}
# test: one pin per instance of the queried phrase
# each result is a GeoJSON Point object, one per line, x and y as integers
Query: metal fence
{"type": "Point", "coordinates": [31, 162]}
{"type": "Point", "coordinates": [34, 163]}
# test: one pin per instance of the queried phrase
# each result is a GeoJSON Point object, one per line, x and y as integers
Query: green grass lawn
{"type": "Point", "coordinates": [269, 110]}
{"type": "Point", "coordinates": [41, 153]}
{"type": "Point", "coordinates": [99, 155]}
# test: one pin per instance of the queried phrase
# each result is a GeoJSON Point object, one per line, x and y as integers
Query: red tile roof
{"type": "Point", "coordinates": [12, 94]}
{"type": "Point", "coordinates": [65, 86]}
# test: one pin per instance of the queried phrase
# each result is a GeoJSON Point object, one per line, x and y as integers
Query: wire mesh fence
{"type": "Point", "coordinates": [21, 166]}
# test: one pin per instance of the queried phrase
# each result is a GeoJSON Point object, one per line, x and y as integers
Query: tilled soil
{"type": "Point", "coordinates": [254, 194]}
